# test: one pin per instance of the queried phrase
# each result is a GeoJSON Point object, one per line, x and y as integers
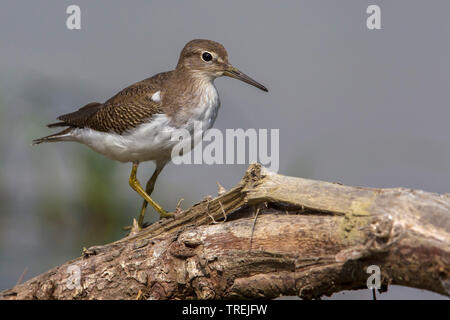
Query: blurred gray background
{"type": "Point", "coordinates": [360, 107]}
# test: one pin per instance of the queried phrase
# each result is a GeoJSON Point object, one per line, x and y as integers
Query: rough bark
{"type": "Point", "coordinates": [281, 236]}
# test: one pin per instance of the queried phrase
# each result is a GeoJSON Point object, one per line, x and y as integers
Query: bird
{"type": "Point", "coordinates": [137, 123]}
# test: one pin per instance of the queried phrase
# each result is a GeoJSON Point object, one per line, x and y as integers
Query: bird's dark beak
{"type": "Point", "coordinates": [233, 72]}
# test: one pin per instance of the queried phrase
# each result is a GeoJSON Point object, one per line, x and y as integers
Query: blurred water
{"type": "Point", "coordinates": [353, 106]}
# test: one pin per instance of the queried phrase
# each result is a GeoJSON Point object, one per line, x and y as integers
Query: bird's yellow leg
{"type": "Point", "coordinates": [134, 183]}
{"type": "Point", "coordinates": [149, 189]}
{"type": "Point", "coordinates": [142, 213]}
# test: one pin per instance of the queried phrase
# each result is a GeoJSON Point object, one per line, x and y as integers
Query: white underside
{"type": "Point", "coordinates": [152, 140]}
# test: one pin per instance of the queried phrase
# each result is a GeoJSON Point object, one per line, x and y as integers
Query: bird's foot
{"type": "Point", "coordinates": [163, 214]}
{"type": "Point", "coordinates": [135, 228]}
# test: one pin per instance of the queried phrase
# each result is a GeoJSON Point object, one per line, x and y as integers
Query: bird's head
{"type": "Point", "coordinates": [209, 59]}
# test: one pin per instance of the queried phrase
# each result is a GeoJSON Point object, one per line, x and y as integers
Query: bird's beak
{"type": "Point", "coordinates": [233, 72]}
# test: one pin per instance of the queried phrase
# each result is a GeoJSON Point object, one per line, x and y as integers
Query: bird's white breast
{"type": "Point", "coordinates": [152, 140]}
{"type": "Point", "coordinates": [207, 107]}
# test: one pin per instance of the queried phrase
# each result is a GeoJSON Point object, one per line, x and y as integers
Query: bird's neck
{"type": "Point", "coordinates": [194, 94]}
{"type": "Point", "coordinates": [191, 85]}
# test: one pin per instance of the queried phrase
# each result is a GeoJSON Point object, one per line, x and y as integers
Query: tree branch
{"type": "Point", "coordinates": [282, 236]}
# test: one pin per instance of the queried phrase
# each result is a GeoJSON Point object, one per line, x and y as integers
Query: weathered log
{"type": "Point", "coordinates": [270, 235]}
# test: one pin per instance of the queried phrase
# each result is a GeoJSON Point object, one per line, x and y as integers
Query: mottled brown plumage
{"type": "Point", "coordinates": [134, 106]}
{"type": "Point", "coordinates": [127, 109]}
{"type": "Point", "coordinates": [137, 123]}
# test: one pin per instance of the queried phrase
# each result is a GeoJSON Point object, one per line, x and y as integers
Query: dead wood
{"type": "Point", "coordinates": [310, 238]}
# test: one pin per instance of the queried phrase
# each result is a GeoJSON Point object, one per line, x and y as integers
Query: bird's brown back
{"type": "Point", "coordinates": [129, 108]}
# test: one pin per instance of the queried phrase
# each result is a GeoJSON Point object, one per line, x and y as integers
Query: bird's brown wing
{"type": "Point", "coordinates": [77, 118]}
{"type": "Point", "coordinates": [127, 109]}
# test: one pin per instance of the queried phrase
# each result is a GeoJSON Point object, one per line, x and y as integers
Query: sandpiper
{"type": "Point", "coordinates": [137, 124]}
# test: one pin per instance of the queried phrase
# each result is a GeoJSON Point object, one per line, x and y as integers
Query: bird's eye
{"type": "Point", "coordinates": [206, 56]}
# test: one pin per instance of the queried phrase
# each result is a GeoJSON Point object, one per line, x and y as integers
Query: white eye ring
{"type": "Point", "coordinates": [206, 56]}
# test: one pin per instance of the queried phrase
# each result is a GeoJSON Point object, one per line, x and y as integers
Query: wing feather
{"type": "Point", "coordinates": [127, 109]}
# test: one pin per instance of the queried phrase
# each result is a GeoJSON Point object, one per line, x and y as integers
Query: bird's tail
{"type": "Point", "coordinates": [64, 135]}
